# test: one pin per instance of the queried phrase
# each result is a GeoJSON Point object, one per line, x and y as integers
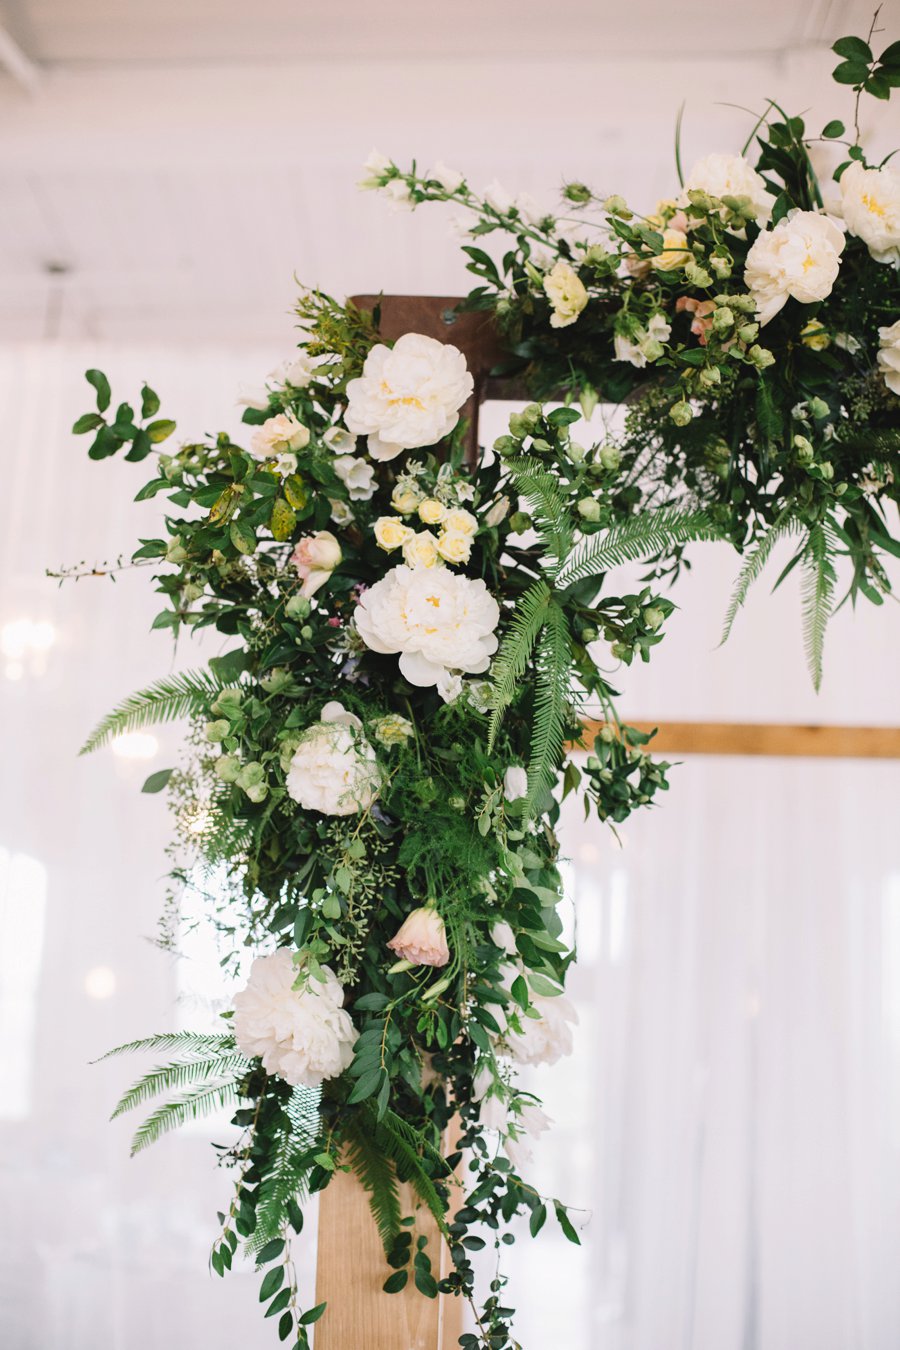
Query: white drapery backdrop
{"type": "Point", "coordinates": [731, 1116]}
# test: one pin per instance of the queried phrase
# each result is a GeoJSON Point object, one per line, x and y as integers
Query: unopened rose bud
{"type": "Point", "coordinates": [588, 509]}
{"type": "Point", "coordinates": [710, 375]}
{"type": "Point", "coordinates": [175, 553]}
{"type": "Point", "coordinates": [589, 634]}
{"type": "Point", "coordinates": [298, 607]}
{"type": "Point", "coordinates": [620, 650]}
{"type": "Point", "coordinates": [575, 452]}
{"type": "Point", "coordinates": [826, 468]}
{"type": "Point", "coordinates": [506, 445]}
{"type": "Point", "coordinates": [818, 408]}
{"type": "Point", "coordinates": [306, 632]}
{"type": "Point", "coordinates": [607, 736]}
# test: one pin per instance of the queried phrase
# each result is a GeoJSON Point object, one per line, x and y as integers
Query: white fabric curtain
{"type": "Point", "coordinates": [730, 1118]}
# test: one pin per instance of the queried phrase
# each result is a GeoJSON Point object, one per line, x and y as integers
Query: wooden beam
{"type": "Point", "coordinates": [766, 738]}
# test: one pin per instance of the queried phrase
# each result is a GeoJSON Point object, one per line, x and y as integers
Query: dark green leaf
{"type": "Point", "coordinates": [140, 447]}
{"type": "Point", "coordinates": [270, 1251]}
{"type": "Point", "coordinates": [878, 87]}
{"type": "Point", "coordinates": [394, 1283]}
{"type": "Point", "coordinates": [87, 422]}
{"type": "Point", "coordinates": [833, 129]}
{"type": "Point", "coordinates": [242, 536]}
{"type": "Point", "coordinates": [160, 430]}
{"type": "Point", "coordinates": [853, 49]}
{"type": "Point", "coordinates": [538, 1219]}
{"type": "Point", "coordinates": [850, 72]}
{"type": "Point", "coordinates": [149, 402]}
{"type": "Point", "coordinates": [101, 385]}
{"type": "Point", "coordinates": [313, 1315]}
{"type": "Point", "coordinates": [272, 1282]}
{"type": "Point", "coordinates": [891, 55]}
{"type": "Point", "coordinates": [157, 781]}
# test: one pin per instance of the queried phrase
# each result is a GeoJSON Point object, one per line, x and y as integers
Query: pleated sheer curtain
{"type": "Point", "coordinates": [730, 1119]}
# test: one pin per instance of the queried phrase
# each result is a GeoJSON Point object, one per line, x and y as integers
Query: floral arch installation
{"type": "Point", "coordinates": [415, 632]}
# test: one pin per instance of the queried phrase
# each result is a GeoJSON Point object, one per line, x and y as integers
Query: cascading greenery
{"type": "Point", "coordinates": [427, 799]}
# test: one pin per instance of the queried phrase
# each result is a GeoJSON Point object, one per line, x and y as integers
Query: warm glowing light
{"type": "Point", "coordinates": [25, 644]}
{"type": "Point", "coordinates": [100, 982]}
{"type": "Point", "coordinates": [135, 745]}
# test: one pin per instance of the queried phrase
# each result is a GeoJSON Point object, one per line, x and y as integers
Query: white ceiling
{"type": "Point", "coordinates": [184, 158]}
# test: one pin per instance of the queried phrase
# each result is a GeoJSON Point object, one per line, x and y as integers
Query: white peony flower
{"type": "Point", "coordinates": [640, 349]}
{"type": "Point", "coordinates": [408, 395]}
{"type": "Point", "coordinates": [436, 619]}
{"type": "Point", "coordinates": [566, 293]}
{"type": "Point", "coordinates": [870, 205]}
{"type": "Point", "coordinates": [546, 1039]}
{"type": "Point", "coordinates": [278, 435]}
{"type": "Point", "coordinates": [798, 258]}
{"type": "Point", "coordinates": [340, 441]}
{"type": "Point", "coordinates": [515, 783]}
{"type": "Point", "coordinates": [730, 176]}
{"type": "Point", "coordinates": [334, 769]}
{"type": "Point", "coordinates": [889, 356]}
{"type": "Point", "coordinates": [303, 1036]}
{"type": "Point", "coordinates": [449, 179]}
{"type": "Point", "coordinates": [357, 476]}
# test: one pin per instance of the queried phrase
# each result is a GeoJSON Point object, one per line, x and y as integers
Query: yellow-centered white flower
{"type": "Point", "coordinates": [889, 356]}
{"type": "Point", "coordinates": [391, 533]}
{"type": "Point", "coordinates": [408, 395]}
{"type": "Point", "coordinates": [799, 258]}
{"type": "Point", "coordinates": [730, 176]}
{"type": "Point", "coordinates": [437, 620]}
{"type": "Point", "coordinates": [870, 205]}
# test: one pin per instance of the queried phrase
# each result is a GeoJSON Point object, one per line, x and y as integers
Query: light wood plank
{"type": "Point", "coordinates": [766, 738]}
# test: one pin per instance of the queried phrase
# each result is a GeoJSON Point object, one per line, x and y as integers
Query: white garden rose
{"type": "Point", "coordinates": [799, 258]}
{"type": "Point", "coordinates": [566, 293]}
{"type": "Point", "coordinates": [408, 395]}
{"type": "Point", "coordinates": [431, 511]}
{"type": "Point", "coordinates": [421, 550]}
{"type": "Point", "coordinates": [870, 205]}
{"type": "Point", "coordinates": [889, 356]}
{"type": "Point", "coordinates": [454, 547]}
{"type": "Point", "coordinates": [460, 521]}
{"type": "Point", "coordinates": [545, 1039]}
{"type": "Point", "coordinates": [334, 769]}
{"type": "Point", "coordinates": [391, 533]}
{"type": "Point", "coordinates": [675, 251]}
{"type": "Point", "coordinates": [436, 619]}
{"type": "Point", "coordinates": [730, 176]}
{"type": "Point", "coordinates": [278, 435]}
{"type": "Point", "coordinates": [357, 476]}
{"type": "Point", "coordinates": [303, 1036]}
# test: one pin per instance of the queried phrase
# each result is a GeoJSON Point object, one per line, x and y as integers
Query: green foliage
{"type": "Point", "coordinates": [817, 593]}
{"type": "Point", "coordinates": [188, 694]}
{"type": "Point", "coordinates": [552, 699]}
{"type": "Point", "coordinates": [633, 539]}
{"type": "Point", "coordinates": [515, 651]}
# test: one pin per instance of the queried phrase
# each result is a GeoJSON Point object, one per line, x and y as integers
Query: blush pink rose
{"type": "Point", "coordinates": [422, 939]}
{"type": "Point", "coordinates": [315, 558]}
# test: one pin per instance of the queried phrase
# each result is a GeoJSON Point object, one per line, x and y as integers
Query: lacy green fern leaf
{"type": "Point", "coordinates": [639, 537]}
{"type": "Point", "coordinates": [191, 1105]}
{"type": "Point", "coordinates": [752, 567]}
{"type": "Point", "coordinates": [549, 509]}
{"type": "Point", "coordinates": [515, 652]}
{"type": "Point", "coordinates": [407, 1149]}
{"type": "Point", "coordinates": [553, 667]}
{"type": "Point", "coordinates": [377, 1175]}
{"type": "Point", "coordinates": [285, 1171]}
{"type": "Point", "coordinates": [817, 595]}
{"type": "Point", "coordinates": [194, 1042]}
{"type": "Point", "coordinates": [190, 692]}
{"type": "Point", "coordinates": [179, 1075]}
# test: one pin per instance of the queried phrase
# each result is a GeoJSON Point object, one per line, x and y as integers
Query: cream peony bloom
{"type": "Point", "coordinates": [675, 252]}
{"type": "Point", "coordinates": [315, 558]}
{"type": "Point", "coordinates": [730, 176]}
{"type": "Point", "coordinates": [278, 435]}
{"type": "Point", "coordinates": [408, 395]}
{"type": "Point", "coordinates": [357, 476]}
{"type": "Point", "coordinates": [889, 356]}
{"type": "Point", "coordinates": [303, 1036]}
{"type": "Point", "coordinates": [422, 938]}
{"type": "Point", "coordinates": [334, 768]}
{"type": "Point", "coordinates": [421, 550]}
{"type": "Point", "coordinates": [800, 258]}
{"type": "Point", "coordinates": [546, 1039]}
{"type": "Point", "coordinates": [566, 293]}
{"type": "Point", "coordinates": [454, 547]}
{"type": "Point", "coordinates": [391, 533]}
{"type": "Point", "coordinates": [870, 205]}
{"type": "Point", "coordinates": [436, 619]}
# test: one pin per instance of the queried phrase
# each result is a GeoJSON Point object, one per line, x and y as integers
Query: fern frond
{"type": "Point", "coordinates": [553, 666]}
{"type": "Point", "coordinates": [638, 537]}
{"type": "Point", "coordinates": [195, 1042]}
{"type": "Point", "coordinates": [284, 1178]}
{"type": "Point", "coordinates": [191, 1105]}
{"type": "Point", "coordinates": [549, 509]}
{"type": "Point", "coordinates": [178, 1075]}
{"type": "Point", "coordinates": [817, 596]}
{"type": "Point", "coordinates": [515, 651]}
{"type": "Point", "coordinates": [377, 1175]}
{"type": "Point", "coordinates": [752, 567]}
{"type": "Point", "coordinates": [190, 692]}
{"type": "Point", "coordinates": [400, 1143]}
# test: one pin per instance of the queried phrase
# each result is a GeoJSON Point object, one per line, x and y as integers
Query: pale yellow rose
{"type": "Point", "coordinates": [815, 336]}
{"type": "Point", "coordinates": [454, 547]}
{"type": "Point", "coordinates": [405, 499]}
{"type": "Point", "coordinates": [431, 511]}
{"type": "Point", "coordinates": [566, 293]}
{"type": "Point", "coordinates": [391, 533]}
{"type": "Point", "coordinates": [458, 521]}
{"type": "Point", "coordinates": [421, 550]}
{"type": "Point", "coordinates": [675, 252]}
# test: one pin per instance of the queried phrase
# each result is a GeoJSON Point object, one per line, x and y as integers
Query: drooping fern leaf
{"type": "Point", "coordinates": [402, 1144]}
{"type": "Point", "coordinates": [817, 595]}
{"type": "Point", "coordinates": [752, 567]}
{"type": "Point", "coordinates": [549, 509]}
{"type": "Point", "coordinates": [553, 666]}
{"type": "Point", "coordinates": [191, 1105]}
{"type": "Point", "coordinates": [195, 1042]}
{"type": "Point", "coordinates": [163, 701]}
{"type": "Point", "coordinates": [515, 651]}
{"type": "Point", "coordinates": [638, 537]}
{"type": "Point", "coordinates": [179, 1075]}
{"type": "Point", "coordinates": [377, 1174]}
{"type": "Point", "coordinates": [287, 1166]}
